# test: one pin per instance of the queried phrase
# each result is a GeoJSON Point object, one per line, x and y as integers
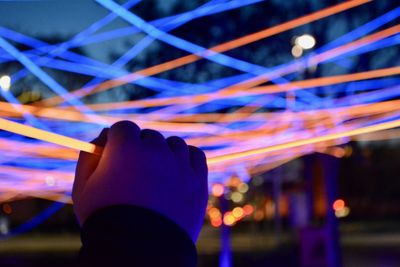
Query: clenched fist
{"type": "Point", "coordinates": [142, 168]}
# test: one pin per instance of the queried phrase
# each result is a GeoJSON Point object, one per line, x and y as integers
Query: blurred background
{"type": "Point", "coordinates": [296, 104]}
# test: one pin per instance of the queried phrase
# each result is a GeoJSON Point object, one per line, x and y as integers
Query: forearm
{"type": "Point", "coordinates": [134, 236]}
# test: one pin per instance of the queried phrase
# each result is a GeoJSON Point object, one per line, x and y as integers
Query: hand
{"type": "Point", "coordinates": [140, 167]}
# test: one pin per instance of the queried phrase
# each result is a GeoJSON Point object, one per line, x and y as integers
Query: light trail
{"type": "Point", "coordinates": [216, 49]}
{"type": "Point", "coordinates": [90, 148]}
{"type": "Point", "coordinates": [309, 141]}
{"type": "Point", "coordinates": [58, 139]}
{"type": "Point", "coordinates": [236, 91]}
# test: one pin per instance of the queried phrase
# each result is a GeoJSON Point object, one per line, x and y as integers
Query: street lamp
{"type": "Point", "coordinates": [5, 82]}
{"type": "Point", "coordinates": [305, 41]}
{"type": "Point", "coordinates": [301, 43]}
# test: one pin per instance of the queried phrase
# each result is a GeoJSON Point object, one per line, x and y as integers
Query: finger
{"type": "Point", "coordinates": [87, 164]}
{"type": "Point", "coordinates": [152, 137]}
{"type": "Point", "coordinates": [120, 135]}
{"type": "Point", "coordinates": [198, 160]}
{"type": "Point", "coordinates": [178, 145]}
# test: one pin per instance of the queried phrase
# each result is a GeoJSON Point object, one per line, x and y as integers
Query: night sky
{"type": "Point", "coordinates": [57, 18]}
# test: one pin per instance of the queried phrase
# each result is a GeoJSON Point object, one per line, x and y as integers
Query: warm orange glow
{"type": "Point", "coordinates": [229, 219]}
{"type": "Point", "coordinates": [214, 213]}
{"type": "Point", "coordinates": [7, 209]}
{"type": "Point", "coordinates": [216, 222]}
{"type": "Point", "coordinates": [338, 204]}
{"type": "Point", "coordinates": [248, 209]}
{"type": "Point", "coordinates": [217, 190]}
{"type": "Point", "coordinates": [238, 212]}
{"type": "Point", "coordinates": [61, 140]}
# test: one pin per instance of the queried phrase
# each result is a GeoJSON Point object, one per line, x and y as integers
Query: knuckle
{"type": "Point", "coordinates": [149, 133]}
{"type": "Point", "coordinates": [123, 129]}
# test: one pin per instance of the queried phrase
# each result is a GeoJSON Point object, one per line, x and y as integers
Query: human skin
{"type": "Point", "coordinates": [142, 168]}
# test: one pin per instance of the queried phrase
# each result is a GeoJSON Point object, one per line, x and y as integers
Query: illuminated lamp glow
{"type": "Point", "coordinates": [297, 51]}
{"type": "Point", "coordinates": [238, 212]}
{"type": "Point", "coordinates": [234, 181]}
{"type": "Point", "coordinates": [217, 190]}
{"type": "Point", "coordinates": [5, 82]}
{"type": "Point", "coordinates": [248, 209]}
{"type": "Point", "coordinates": [243, 188]}
{"type": "Point", "coordinates": [229, 219]}
{"type": "Point", "coordinates": [337, 152]}
{"type": "Point", "coordinates": [349, 151]}
{"type": "Point", "coordinates": [7, 209]}
{"type": "Point", "coordinates": [217, 222]}
{"type": "Point", "coordinates": [305, 41]}
{"type": "Point", "coordinates": [338, 204]}
{"type": "Point", "coordinates": [237, 197]}
{"type": "Point", "coordinates": [341, 213]}
{"type": "Point", "coordinates": [252, 82]}
{"type": "Point", "coordinates": [214, 213]}
{"type": "Point", "coordinates": [259, 215]}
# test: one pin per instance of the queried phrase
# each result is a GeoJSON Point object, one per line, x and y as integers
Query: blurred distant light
{"type": "Point", "coordinates": [349, 151]}
{"type": "Point", "coordinates": [238, 212]}
{"type": "Point", "coordinates": [258, 180]}
{"type": "Point", "coordinates": [5, 82]}
{"type": "Point", "coordinates": [305, 41]}
{"type": "Point", "coordinates": [4, 226]}
{"type": "Point", "coordinates": [7, 209]}
{"type": "Point", "coordinates": [297, 51]}
{"type": "Point", "coordinates": [243, 188]}
{"type": "Point", "coordinates": [50, 181]}
{"type": "Point", "coordinates": [229, 219]}
{"type": "Point", "coordinates": [214, 213]}
{"type": "Point", "coordinates": [234, 181]}
{"type": "Point", "coordinates": [216, 222]}
{"type": "Point", "coordinates": [338, 204]}
{"type": "Point", "coordinates": [248, 209]}
{"type": "Point", "coordinates": [338, 152]}
{"type": "Point", "coordinates": [341, 213]}
{"type": "Point", "coordinates": [237, 197]}
{"type": "Point", "coordinates": [259, 215]}
{"type": "Point", "coordinates": [217, 190]}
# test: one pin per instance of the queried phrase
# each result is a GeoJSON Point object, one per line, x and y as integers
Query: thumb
{"type": "Point", "coordinates": [87, 164]}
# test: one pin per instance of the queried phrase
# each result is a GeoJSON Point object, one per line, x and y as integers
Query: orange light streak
{"type": "Point", "coordinates": [218, 49]}
{"type": "Point", "coordinates": [323, 81]}
{"type": "Point", "coordinates": [316, 59]}
{"type": "Point", "coordinates": [239, 91]}
{"type": "Point", "coordinates": [58, 139]}
{"type": "Point", "coordinates": [74, 115]}
{"type": "Point", "coordinates": [308, 141]}
{"type": "Point", "coordinates": [90, 148]}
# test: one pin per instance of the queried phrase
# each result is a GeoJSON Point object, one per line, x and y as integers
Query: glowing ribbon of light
{"type": "Point", "coordinates": [239, 91]}
{"type": "Point", "coordinates": [308, 141]}
{"type": "Point", "coordinates": [91, 148]}
{"type": "Point", "coordinates": [58, 139]}
{"type": "Point", "coordinates": [216, 49]}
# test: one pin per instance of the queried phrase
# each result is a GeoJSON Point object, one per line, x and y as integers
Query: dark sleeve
{"type": "Point", "coordinates": [127, 235]}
